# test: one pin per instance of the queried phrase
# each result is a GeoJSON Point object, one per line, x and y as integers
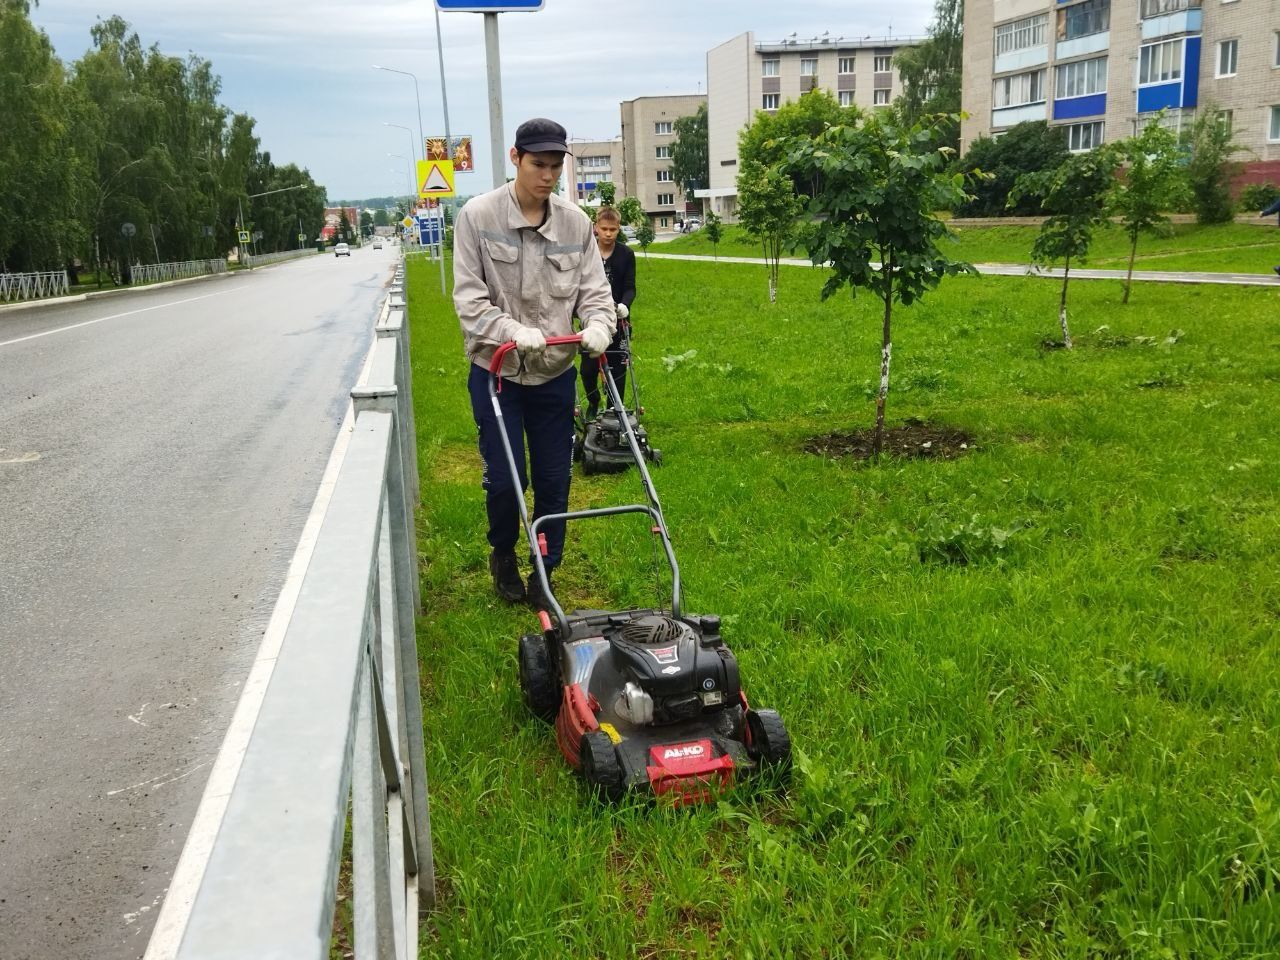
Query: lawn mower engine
{"type": "Point", "coordinates": [602, 446]}
{"type": "Point", "coordinates": [651, 701]}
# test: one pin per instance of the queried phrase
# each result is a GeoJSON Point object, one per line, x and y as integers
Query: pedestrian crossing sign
{"type": "Point", "coordinates": [435, 178]}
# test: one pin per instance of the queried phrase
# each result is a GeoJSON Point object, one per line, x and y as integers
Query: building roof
{"type": "Point", "coordinates": [837, 43]}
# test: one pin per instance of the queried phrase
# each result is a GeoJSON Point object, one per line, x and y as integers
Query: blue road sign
{"type": "Point", "coordinates": [489, 6]}
{"type": "Point", "coordinates": [429, 230]}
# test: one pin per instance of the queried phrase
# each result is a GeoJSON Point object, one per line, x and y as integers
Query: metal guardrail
{"type": "Point", "coordinates": [341, 717]}
{"type": "Point", "coordinates": [178, 270]}
{"type": "Point", "coordinates": [263, 259]}
{"type": "Point", "coordinates": [32, 286]}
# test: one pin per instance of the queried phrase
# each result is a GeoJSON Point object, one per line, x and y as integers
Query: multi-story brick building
{"type": "Point", "coordinates": [1102, 68]}
{"type": "Point", "coordinates": [648, 131]}
{"type": "Point", "coordinates": [595, 162]}
{"type": "Point", "coordinates": [744, 77]}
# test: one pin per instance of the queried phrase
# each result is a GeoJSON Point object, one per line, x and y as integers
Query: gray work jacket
{"type": "Point", "coordinates": [507, 273]}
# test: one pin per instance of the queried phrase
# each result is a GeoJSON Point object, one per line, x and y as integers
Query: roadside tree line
{"type": "Point", "coordinates": [128, 135]}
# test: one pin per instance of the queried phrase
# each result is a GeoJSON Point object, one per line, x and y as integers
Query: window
{"type": "Point", "coordinates": [593, 162]}
{"type": "Point", "coordinates": [1227, 58]}
{"type": "Point", "coordinates": [768, 68]}
{"type": "Point", "coordinates": [662, 222]}
{"type": "Point", "coordinates": [1160, 62]}
{"type": "Point", "coordinates": [1082, 78]}
{"type": "Point", "coordinates": [1020, 34]}
{"type": "Point", "coordinates": [1158, 8]}
{"type": "Point", "coordinates": [1084, 136]}
{"type": "Point", "coordinates": [1019, 89]}
{"type": "Point", "coordinates": [664, 176]}
{"type": "Point", "coordinates": [771, 101]}
{"type": "Point", "coordinates": [846, 98]}
{"type": "Point", "coordinates": [846, 63]}
{"type": "Point", "coordinates": [880, 98]}
{"type": "Point", "coordinates": [1226, 120]}
{"type": "Point", "coordinates": [1273, 132]}
{"type": "Point", "coordinates": [1275, 59]}
{"type": "Point", "coordinates": [666, 199]}
{"type": "Point", "coordinates": [1084, 19]}
{"type": "Point", "coordinates": [662, 153]}
{"type": "Point", "coordinates": [662, 126]}
{"type": "Point", "coordinates": [808, 68]}
{"type": "Point", "coordinates": [883, 63]}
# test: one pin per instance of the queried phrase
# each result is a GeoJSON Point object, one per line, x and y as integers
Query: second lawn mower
{"type": "Point", "coordinates": [647, 699]}
{"type": "Point", "coordinates": [600, 442]}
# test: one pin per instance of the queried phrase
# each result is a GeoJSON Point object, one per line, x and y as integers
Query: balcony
{"type": "Point", "coordinates": [1022, 59]}
{"type": "Point", "coordinates": [1093, 43]}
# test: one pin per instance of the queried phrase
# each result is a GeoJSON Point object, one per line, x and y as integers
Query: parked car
{"type": "Point", "coordinates": [342, 250]}
{"type": "Point", "coordinates": [628, 231]}
{"type": "Point", "coordinates": [377, 243]}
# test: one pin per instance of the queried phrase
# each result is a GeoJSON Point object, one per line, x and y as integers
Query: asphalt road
{"type": "Point", "coordinates": [159, 453]}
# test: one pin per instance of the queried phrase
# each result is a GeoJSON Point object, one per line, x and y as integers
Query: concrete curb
{"type": "Point", "coordinates": [98, 294]}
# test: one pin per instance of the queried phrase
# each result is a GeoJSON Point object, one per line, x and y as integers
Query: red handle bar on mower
{"type": "Point", "coordinates": [495, 365]}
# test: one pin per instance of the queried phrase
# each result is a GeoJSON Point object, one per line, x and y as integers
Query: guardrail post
{"type": "Point", "coordinates": [384, 397]}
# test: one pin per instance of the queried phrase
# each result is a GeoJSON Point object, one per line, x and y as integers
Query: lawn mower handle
{"type": "Point", "coordinates": [495, 365]}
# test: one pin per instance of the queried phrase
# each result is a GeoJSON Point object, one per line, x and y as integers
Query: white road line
{"type": "Point", "coordinates": [171, 923]}
{"type": "Point", "coordinates": [114, 316]}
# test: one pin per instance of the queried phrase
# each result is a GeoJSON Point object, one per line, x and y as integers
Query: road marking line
{"type": "Point", "coordinates": [114, 316]}
{"type": "Point", "coordinates": [171, 923]}
{"type": "Point", "coordinates": [30, 457]}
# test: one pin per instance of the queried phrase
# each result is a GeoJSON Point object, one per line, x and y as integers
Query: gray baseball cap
{"type": "Point", "coordinates": [540, 134]}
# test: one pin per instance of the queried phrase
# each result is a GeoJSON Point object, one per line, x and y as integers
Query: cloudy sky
{"type": "Point", "coordinates": [305, 72]}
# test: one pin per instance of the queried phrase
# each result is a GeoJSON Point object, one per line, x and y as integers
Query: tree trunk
{"type": "Point", "coordinates": [1062, 304]}
{"type": "Point", "coordinates": [1128, 280]}
{"type": "Point", "coordinates": [773, 293]}
{"type": "Point", "coordinates": [886, 353]}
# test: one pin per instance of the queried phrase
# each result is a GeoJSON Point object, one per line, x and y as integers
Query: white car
{"type": "Point", "coordinates": [377, 243]}
{"type": "Point", "coordinates": [342, 250]}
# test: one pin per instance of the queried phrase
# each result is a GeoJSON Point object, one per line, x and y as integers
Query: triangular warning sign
{"type": "Point", "coordinates": [435, 182]}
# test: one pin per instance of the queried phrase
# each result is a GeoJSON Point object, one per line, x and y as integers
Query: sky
{"type": "Point", "coordinates": [307, 78]}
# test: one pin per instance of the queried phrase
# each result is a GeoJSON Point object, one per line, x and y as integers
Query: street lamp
{"type": "Point", "coordinates": [422, 143]}
{"type": "Point", "coordinates": [251, 196]}
{"type": "Point", "coordinates": [408, 169]}
{"type": "Point", "coordinates": [406, 130]}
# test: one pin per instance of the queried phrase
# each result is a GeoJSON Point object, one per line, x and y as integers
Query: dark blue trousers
{"type": "Point", "coordinates": [543, 415]}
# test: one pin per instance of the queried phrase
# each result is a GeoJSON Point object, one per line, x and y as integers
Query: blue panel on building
{"type": "Point", "coordinates": [1191, 72]}
{"type": "Point", "coordinates": [1158, 97]}
{"type": "Point", "coordinates": [1091, 106]}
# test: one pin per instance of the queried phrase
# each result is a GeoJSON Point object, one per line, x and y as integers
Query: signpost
{"type": "Point", "coordinates": [491, 9]}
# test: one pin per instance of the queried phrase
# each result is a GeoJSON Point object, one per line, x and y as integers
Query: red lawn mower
{"type": "Point", "coordinates": [645, 700]}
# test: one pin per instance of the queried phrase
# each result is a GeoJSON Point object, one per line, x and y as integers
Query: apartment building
{"type": "Point", "coordinates": [594, 162]}
{"type": "Point", "coordinates": [744, 77]}
{"type": "Point", "coordinates": [648, 131]}
{"type": "Point", "coordinates": [1102, 68]}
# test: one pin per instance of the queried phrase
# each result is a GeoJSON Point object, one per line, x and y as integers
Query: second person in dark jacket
{"type": "Point", "coordinates": [620, 267]}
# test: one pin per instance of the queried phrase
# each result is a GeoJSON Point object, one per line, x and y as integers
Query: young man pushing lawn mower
{"type": "Point", "coordinates": [525, 262]}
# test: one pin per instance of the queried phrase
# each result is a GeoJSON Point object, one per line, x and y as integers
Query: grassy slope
{"type": "Point", "coordinates": [1065, 747]}
{"type": "Point", "coordinates": [1232, 247]}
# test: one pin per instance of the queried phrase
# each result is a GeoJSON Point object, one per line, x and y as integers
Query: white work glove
{"type": "Point", "coordinates": [622, 311]}
{"type": "Point", "coordinates": [595, 340]}
{"type": "Point", "coordinates": [529, 341]}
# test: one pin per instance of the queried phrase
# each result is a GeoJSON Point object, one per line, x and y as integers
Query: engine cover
{"type": "Point", "coordinates": [686, 672]}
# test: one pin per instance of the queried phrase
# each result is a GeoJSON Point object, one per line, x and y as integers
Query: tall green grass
{"type": "Point", "coordinates": [1033, 691]}
{"type": "Point", "coordinates": [1230, 247]}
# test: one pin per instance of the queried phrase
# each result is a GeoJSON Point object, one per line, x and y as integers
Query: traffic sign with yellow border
{"type": "Point", "coordinates": [435, 178]}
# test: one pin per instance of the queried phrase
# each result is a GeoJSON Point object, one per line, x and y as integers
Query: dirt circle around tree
{"type": "Point", "coordinates": [911, 440]}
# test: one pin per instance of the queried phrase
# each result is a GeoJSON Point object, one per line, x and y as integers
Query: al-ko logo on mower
{"type": "Point", "coordinates": [684, 751]}
{"type": "Point", "coordinates": [666, 654]}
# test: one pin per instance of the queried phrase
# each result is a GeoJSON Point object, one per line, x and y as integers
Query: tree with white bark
{"type": "Point", "coordinates": [880, 186]}
{"type": "Point", "coordinates": [1075, 199]}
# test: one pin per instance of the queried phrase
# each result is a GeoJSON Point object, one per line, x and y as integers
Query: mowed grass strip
{"type": "Point", "coordinates": [1220, 248]}
{"type": "Point", "coordinates": [1033, 691]}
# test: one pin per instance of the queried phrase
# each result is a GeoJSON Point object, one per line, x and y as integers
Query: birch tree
{"type": "Point", "coordinates": [1075, 199]}
{"type": "Point", "coordinates": [875, 216]}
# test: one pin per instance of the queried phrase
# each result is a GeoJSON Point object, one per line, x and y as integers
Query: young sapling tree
{"type": "Point", "coordinates": [881, 184]}
{"type": "Point", "coordinates": [715, 232]}
{"type": "Point", "coordinates": [768, 208]}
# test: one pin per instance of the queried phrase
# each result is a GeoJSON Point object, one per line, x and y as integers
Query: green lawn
{"type": "Point", "coordinates": [1033, 691]}
{"type": "Point", "coordinates": [1230, 247]}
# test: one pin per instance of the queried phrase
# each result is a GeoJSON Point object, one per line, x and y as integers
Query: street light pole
{"type": "Point", "coordinates": [422, 143]}
{"type": "Point", "coordinates": [406, 130]}
{"type": "Point", "coordinates": [251, 196]}
{"type": "Point", "coordinates": [408, 171]}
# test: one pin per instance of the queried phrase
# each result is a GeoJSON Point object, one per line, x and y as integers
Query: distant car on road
{"type": "Point", "coordinates": [377, 243]}
{"type": "Point", "coordinates": [342, 250]}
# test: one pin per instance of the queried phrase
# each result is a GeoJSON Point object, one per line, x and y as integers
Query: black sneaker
{"type": "Point", "coordinates": [1276, 269]}
{"type": "Point", "coordinates": [537, 598]}
{"type": "Point", "coordinates": [506, 575]}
